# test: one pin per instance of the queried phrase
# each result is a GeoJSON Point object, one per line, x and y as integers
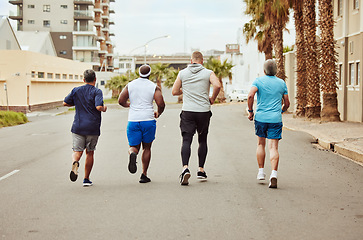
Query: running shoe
{"type": "Point", "coordinates": [184, 177]}
{"type": "Point", "coordinates": [261, 176]}
{"type": "Point", "coordinates": [202, 175]}
{"type": "Point", "coordinates": [273, 182]}
{"type": "Point", "coordinates": [87, 182]}
{"type": "Point", "coordinates": [132, 163]}
{"type": "Point", "coordinates": [74, 172]}
{"type": "Point", "coordinates": [144, 179]}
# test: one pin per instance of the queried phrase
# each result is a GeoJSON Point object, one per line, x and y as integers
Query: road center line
{"type": "Point", "coordinates": [9, 174]}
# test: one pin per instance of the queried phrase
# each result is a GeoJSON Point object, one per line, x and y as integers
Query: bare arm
{"type": "Point", "coordinates": [213, 79]}
{"type": "Point", "coordinates": [177, 87]}
{"type": "Point", "coordinates": [159, 100]}
{"type": "Point", "coordinates": [124, 96]}
{"type": "Point", "coordinates": [67, 105]}
{"type": "Point", "coordinates": [102, 108]}
{"type": "Point", "coordinates": [286, 103]}
{"type": "Point", "coordinates": [250, 100]}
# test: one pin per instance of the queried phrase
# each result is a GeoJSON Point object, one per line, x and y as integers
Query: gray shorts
{"type": "Point", "coordinates": [81, 142]}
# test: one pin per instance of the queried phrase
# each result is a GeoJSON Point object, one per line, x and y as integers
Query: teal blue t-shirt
{"type": "Point", "coordinates": [271, 90]}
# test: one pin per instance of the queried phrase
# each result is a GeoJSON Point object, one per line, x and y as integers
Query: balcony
{"type": "Point", "coordinates": [84, 2]}
{"type": "Point", "coordinates": [83, 15]}
{"type": "Point", "coordinates": [111, 33]}
{"type": "Point", "coordinates": [16, 2]}
{"type": "Point", "coordinates": [85, 48]}
{"type": "Point", "coordinates": [111, 10]}
{"type": "Point", "coordinates": [16, 17]}
{"type": "Point", "coordinates": [112, 0]}
{"type": "Point", "coordinates": [111, 21]}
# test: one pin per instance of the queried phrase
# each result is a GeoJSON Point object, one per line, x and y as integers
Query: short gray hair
{"type": "Point", "coordinates": [270, 67]}
{"type": "Point", "coordinates": [89, 75]}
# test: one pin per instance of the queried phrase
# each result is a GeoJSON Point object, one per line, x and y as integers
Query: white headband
{"type": "Point", "coordinates": [147, 74]}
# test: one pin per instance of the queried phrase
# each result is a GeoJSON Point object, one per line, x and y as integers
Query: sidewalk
{"type": "Point", "coordinates": [344, 138]}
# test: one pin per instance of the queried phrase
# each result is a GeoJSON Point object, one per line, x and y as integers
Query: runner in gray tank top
{"type": "Point", "coordinates": [194, 83]}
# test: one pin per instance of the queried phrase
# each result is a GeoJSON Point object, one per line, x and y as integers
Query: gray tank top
{"type": "Point", "coordinates": [195, 85]}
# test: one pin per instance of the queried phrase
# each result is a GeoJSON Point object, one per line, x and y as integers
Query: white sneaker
{"type": "Point", "coordinates": [273, 182]}
{"type": "Point", "coordinates": [261, 176]}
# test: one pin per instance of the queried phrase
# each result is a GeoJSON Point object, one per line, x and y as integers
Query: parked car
{"type": "Point", "coordinates": [238, 95]}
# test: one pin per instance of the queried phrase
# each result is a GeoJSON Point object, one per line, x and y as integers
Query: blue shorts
{"type": "Point", "coordinates": [143, 131]}
{"type": "Point", "coordinates": [268, 130]}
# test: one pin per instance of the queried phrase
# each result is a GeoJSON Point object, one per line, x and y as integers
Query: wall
{"type": "Point", "coordinates": [21, 70]}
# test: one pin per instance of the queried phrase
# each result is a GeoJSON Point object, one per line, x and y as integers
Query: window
{"type": "Point", "coordinates": [355, 4]}
{"type": "Point", "coordinates": [64, 6]}
{"type": "Point", "coordinates": [128, 65]}
{"type": "Point", "coordinates": [46, 8]}
{"type": "Point", "coordinates": [70, 76]}
{"type": "Point", "coordinates": [33, 74]}
{"type": "Point", "coordinates": [46, 23]}
{"type": "Point", "coordinates": [40, 74]}
{"type": "Point", "coordinates": [62, 37]}
{"type": "Point", "coordinates": [122, 65]}
{"type": "Point", "coordinates": [340, 8]}
{"type": "Point", "coordinates": [63, 21]}
{"type": "Point", "coordinates": [31, 6]}
{"type": "Point", "coordinates": [31, 21]}
{"type": "Point", "coordinates": [64, 76]}
{"type": "Point", "coordinates": [340, 74]}
{"type": "Point", "coordinates": [75, 76]}
{"type": "Point", "coordinates": [57, 76]}
{"type": "Point", "coordinates": [102, 82]}
{"type": "Point", "coordinates": [50, 75]}
{"type": "Point", "coordinates": [358, 74]}
{"type": "Point", "coordinates": [63, 52]}
{"type": "Point", "coordinates": [351, 74]}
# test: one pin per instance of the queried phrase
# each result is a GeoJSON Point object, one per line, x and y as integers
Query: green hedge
{"type": "Point", "coordinates": [12, 118]}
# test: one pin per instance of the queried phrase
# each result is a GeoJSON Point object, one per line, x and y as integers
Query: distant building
{"type": "Point", "coordinates": [79, 28]}
{"type": "Point", "coordinates": [348, 32]}
{"type": "Point", "coordinates": [8, 40]}
{"type": "Point", "coordinates": [35, 41]}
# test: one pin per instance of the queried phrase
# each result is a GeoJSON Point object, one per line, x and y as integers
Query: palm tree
{"type": "Point", "coordinates": [170, 79]}
{"type": "Point", "coordinates": [257, 28]}
{"type": "Point", "coordinates": [300, 58]}
{"type": "Point", "coordinates": [277, 14]}
{"type": "Point", "coordinates": [328, 60]}
{"type": "Point", "coordinates": [221, 70]}
{"type": "Point", "coordinates": [158, 72]}
{"type": "Point", "coordinates": [313, 104]}
{"type": "Point", "coordinates": [116, 84]}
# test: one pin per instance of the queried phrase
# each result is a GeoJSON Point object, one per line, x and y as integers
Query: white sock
{"type": "Point", "coordinates": [260, 170]}
{"type": "Point", "coordinates": [274, 173]}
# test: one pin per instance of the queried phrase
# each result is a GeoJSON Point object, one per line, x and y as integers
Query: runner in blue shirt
{"type": "Point", "coordinates": [268, 120]}
{"type": "Point", "coordinates": [88, 101]}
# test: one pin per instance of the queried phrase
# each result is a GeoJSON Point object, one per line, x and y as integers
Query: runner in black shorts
{"type": "Point", "coordinates": [194, 83]}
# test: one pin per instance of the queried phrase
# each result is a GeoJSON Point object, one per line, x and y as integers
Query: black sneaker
{"type": "Point", "coordinates": [184, 177]}
{"type": "Point", "coordinates": [144, 179]}
{"type": "Point", "coordinates": [74, 172]}
{"type": "Point", "coordinates": [201, 175]}
{"type": "Point", "coordinates": [132, 163]}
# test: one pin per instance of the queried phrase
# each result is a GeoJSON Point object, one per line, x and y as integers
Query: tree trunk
{"type": "Point", "coordinates": [313, 105]}
{"type": "Point", "coordinates": [115, 93]}
{"type": "Point", "coordinates": [221, 98]}
{"type": "Point", "coordinates": [268, 51]}
{"type": "Point", "coordinates": [279, 50]}
{"type": "Point", "coordinates": [300, 59]}
{"type": "Point", "coordinates": [328, 62]}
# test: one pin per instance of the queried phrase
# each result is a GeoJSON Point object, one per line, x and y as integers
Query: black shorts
{"type": "Point", "coordinates": [195, 121]}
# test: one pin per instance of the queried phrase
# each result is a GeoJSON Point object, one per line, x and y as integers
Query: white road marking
{"type": "Point", "coordinates": [9, 174]}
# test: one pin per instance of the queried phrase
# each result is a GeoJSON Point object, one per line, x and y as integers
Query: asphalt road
{"type": "Point", "coordinates": [319, 194]}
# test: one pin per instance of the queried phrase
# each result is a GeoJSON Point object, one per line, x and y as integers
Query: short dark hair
{"type": "Point", "coordinates": [270, 67]}
{"type": "Point", "coordinates": [89, 75]}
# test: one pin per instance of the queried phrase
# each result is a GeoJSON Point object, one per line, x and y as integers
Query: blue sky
{"type": "Point", "coordinates": [198, 24]}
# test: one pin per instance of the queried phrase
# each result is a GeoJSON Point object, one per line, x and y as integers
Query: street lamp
{"type": "Point", "coordinates": [145, 45]}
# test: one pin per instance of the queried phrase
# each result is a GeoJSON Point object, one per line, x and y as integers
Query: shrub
{"type": "Point", "coordinates": [8, 118]}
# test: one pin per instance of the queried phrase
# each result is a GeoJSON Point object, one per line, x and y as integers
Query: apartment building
{"type": "Point", "coordinates": [348, 32]}
{"type": "Point", "coordinates": [79, 28]}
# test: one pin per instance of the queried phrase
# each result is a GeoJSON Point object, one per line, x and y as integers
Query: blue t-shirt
{"type": "Point", "coordinates": [271, 90]}
{"type": "Point", "coordinates": [87, 120]}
